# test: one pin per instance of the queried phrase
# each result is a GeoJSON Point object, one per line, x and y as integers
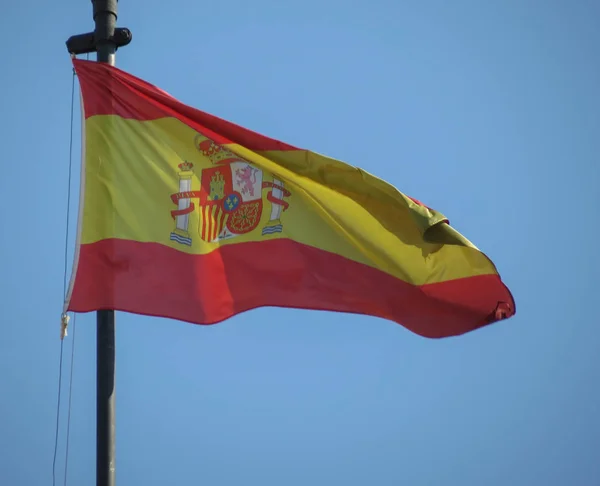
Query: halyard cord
{"type": "Point", "coordinates": [57, 415]}
{"type": "Point", "coordinates": [65, 277]}
{"type": "Point", "coordinates": [70, 394]}
{"type": "Point", "coordinates": [69, 186]}
{"type": "Point", "coordinates": [64, 296]}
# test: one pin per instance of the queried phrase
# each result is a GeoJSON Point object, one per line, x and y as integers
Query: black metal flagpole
{"type": "Point", "coordinates": [105, 40]}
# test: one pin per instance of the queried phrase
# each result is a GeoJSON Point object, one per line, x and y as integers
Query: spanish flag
{"type": "Point", "coordinates": [187, 216]}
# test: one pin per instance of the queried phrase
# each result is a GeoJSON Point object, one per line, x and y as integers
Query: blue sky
{"type": "Point", "coordinates": [486, 111]}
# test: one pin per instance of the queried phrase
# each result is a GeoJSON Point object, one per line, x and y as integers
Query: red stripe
{"type": "Point", "coordinates": [215, 223]}
{"type": "Point", "coordinates": [109, 91]}
{"type": "Point", "coordinates": [156, 280]}
{"type": "Point", "coordinates": [221, 223]}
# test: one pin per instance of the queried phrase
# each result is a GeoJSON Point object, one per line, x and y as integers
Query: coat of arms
{"type": "Point", "coordinates": [230, 197]}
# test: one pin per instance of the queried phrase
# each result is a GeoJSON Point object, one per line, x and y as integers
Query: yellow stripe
{"type": "Point", "coordinates": [332, 206]}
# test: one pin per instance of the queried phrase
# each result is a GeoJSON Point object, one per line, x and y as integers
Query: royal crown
{"type": "Point", "coordinates": [185, 166]}
{"type": "Point", "coordinates": [215, 152]}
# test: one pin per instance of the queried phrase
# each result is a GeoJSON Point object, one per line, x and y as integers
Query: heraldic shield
{"type": "Point", "coordinates": [230, 197]}
{"type": "Point", "coordinates": [230, 200]}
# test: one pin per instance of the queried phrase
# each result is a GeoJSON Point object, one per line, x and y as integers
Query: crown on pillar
{"type": "Point", "coordinates": [185, 166]}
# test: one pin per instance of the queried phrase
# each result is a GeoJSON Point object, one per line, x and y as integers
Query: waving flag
{"type": "Point", "coordinates": [187, 216]}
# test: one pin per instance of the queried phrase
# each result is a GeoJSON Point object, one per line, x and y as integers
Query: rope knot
{"type": "Point", "coordinates": [64, 324]}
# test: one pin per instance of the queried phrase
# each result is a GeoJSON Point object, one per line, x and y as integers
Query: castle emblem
{"type": "Point", "coordinates": [230, 197]}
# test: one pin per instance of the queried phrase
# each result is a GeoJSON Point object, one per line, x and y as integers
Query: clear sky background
{"type": "Point", "coordinates": [488, 111]}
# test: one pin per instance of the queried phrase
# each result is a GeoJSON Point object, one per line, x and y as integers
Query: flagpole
{"type": "Point", "coordinates": [105, 19]}
{"type": "Point", "coordinates": [105, 40]}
